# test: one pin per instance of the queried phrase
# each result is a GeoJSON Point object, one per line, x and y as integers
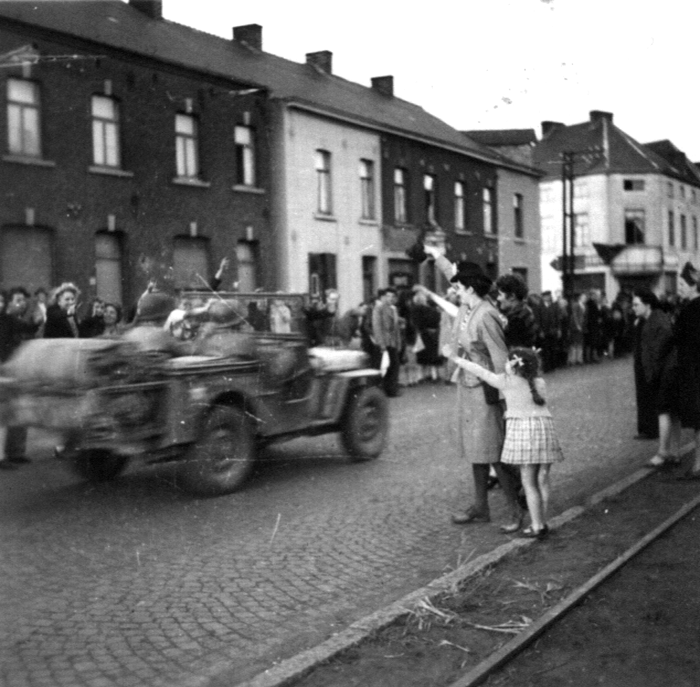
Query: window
{"type": "Point", "coordinates": [105, 132]}
{"type": "Point", "coordinates": [190, 262]}
{"type": "Point", "coordinates": [693, 196]}
{"type": "Point", "coordinates": [323, 180]}
{"type": "Point", "coordinates": [23, 118]}
{"type": "Point", "coordinates": [669, 189]}
{"type": "Point", "coordinates": [322, 273]}
{"type": "Point", "coordinates": [582, 231]}
{"type": "Point", "coordinates": [633, 184]}
{"type": "Point", "coordinates": [186, 146]}
{"type": "Point", "coordinates": [369, 277]}
{"type": "Point", "coordinates": [684, 233]}
{"type": "Point", "coordinates": [367, 188]}
{"type": "Point", "coordinates": [26, 257]}
{"type": "Point", "coordinates": [634, 227]}
{"type": "Point", "coordinates": [518, 215]}
{"type": "Point", "coordinates": [487, 198]}
{"type": "Point", "coordinates": [682, 190]}
{"type": "Point", "coordinates": [429, 198]}
{"type": "Point", "coordinates": [460, 222]}
{"type": "Point", "coordinates": [581, 188]}
{"type": "Point", "coordinates": [108, 267]}
{"type": "Point", "coordinates": [247, 258]}
{"type": "Point", "coordinates": [400, 196]}
{"type": "Point", "coordinates": [245, 155]}
{"type": "Point", "coordinates": [671, 229]}
{"type": "Point", "coordinates": [695, 233]}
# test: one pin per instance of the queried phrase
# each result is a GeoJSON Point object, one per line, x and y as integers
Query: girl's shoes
{"type": "Point", "coordinates": [660, 461]}
{"type": "Point", "coordinates": [530, 533]}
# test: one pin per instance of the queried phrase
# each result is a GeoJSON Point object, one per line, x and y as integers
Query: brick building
{"type": "Point", "coordinates": [128, 153]}
{"type": "Point", "coordinates": [138, 147]}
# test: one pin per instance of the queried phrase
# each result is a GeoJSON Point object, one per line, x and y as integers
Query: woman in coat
{"type": "Point", "coordinates": [61, 320]}
{"type": "Point", "coordinates": [657, 361]}
{"type": "Point", "coordinates": [687, 337]}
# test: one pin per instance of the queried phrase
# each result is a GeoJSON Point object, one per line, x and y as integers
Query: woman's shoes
{"type": "Point", "coordinates": [514, 526]}
{"type": "Point", "coordinates": [469, 516]}
{"type": "Point", "coordinates": [530, 533]}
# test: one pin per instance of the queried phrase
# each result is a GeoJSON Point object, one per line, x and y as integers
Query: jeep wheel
{"type": "Point", "coordinates": [365, 423]}
{"type": "Point", "coordinates": [220, 461]}
{"type": "Point", "coordinates": [96, 465]}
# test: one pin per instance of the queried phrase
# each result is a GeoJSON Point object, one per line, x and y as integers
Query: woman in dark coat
{"type": "Point", "coordinates": [657, 356]}
{"type": "Point", "coordinates": [426, 320]}
{"type": "Point", "coordinates": [60, 315]}
{"type": "Point", "coordinates": [687, 336]}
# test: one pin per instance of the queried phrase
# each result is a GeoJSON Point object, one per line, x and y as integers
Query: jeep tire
{"type": "Point", "coordinates": [365, 423]}
{"type": "Point", "coordinates": [223, 456]}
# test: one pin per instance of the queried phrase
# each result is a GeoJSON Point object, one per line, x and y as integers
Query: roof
{"type": "Point", "coordinates": [118, 25]}
{"type": "Point", "coordinates": [603, 148]}
{"type": "Point", "coordinates": [503, 137]}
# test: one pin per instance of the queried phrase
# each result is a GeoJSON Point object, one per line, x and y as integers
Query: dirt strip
{"type": "Point", "coordinates": [444, 635]}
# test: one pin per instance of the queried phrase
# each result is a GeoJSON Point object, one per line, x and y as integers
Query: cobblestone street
{"type": "Point", "coordinates": [134, 582]}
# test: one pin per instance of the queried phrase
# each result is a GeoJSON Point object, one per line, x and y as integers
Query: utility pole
{"type": "Point", "coordinates": [568, 260]}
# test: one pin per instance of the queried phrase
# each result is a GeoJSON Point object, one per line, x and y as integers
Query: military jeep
{"type": "Point", "coordinates": [251, 382]}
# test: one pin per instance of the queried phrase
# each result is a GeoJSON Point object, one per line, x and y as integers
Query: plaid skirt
{"type": "Point", "coordinates": [531, 441]}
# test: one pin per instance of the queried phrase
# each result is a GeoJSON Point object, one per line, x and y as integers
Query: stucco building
{"type": "Point", "coordinates": [636, 207]}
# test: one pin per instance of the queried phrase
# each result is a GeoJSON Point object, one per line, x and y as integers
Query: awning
{"type": "Point", "coordinates": [638, 260]}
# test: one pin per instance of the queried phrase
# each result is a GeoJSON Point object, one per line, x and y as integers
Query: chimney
{"type": "Point", "coordinates": [384, 85]}
{"type": "Point", "coordinates": [321, 60]}
{"type": "Point", "coordinates": [598, 116]}
{"type": "Point", "coordinates": [250, 34]}
{"type": "Point", "coordinates": [549, 128]}
{"type": "Point", "coordinates": [151, 8]}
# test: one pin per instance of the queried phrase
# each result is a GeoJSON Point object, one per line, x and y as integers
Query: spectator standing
{"type": "Point", "coordinates": [17, 326]}
{"type": "Point", "coordinates": [387, 334]}
{"type": "Point", "coordinates": [658, 362]}
{"type": "Point", "coordinates": [478, 335]}
{"type": "Point", "coordinates": [61, 319]}
{"type": "Point", "coordinates": [521, 329]}
{"type": "Point", "coordinates": [112, 320]}
{"type": "Point", "coordinates": [551, 332]}
{"type": "Point", "coordinates": [687, 337]}
{"type": "Point", "coordinates": [94, 324]}
{"type": "Point", "coordinates": [577, 329]}
{"type": "Point", "coordinates": [426, 320]}
{"type": "Point", "coordinates": [592, 334]}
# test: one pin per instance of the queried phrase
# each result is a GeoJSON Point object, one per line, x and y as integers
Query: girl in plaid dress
{"type": "Point", "coordinates": [530, 441]}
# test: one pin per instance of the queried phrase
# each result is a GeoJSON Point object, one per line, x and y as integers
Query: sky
{"type": "Point", "coordinates": [496, 64]}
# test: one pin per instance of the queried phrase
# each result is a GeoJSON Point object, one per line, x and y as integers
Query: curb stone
{"type": "Point", "coordinates": [296, 667]}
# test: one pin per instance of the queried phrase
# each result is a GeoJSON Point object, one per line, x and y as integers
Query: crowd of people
{"type": "Point", "coordinates": [411, 328]}
{"type": "Point", "coordinates": [491, 339]}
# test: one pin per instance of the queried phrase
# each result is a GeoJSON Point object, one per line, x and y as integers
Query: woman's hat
{"type": "Point", "coordinates": [689, 274]}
